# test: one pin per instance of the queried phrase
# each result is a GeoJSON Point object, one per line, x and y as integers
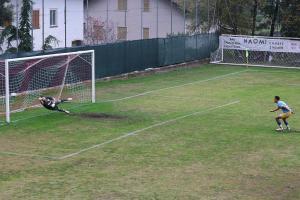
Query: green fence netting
{"type": "Point", "coordinates": [129, 56]}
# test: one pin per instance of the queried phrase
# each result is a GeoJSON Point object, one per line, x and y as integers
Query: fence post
{"type": "Point", "coordinates": [197, 51]}
{"type": "Point", "coordinates": [184, 53]}
{"type": "Point", "coordinates": [17, 23]}
{"type": "Point", "coordinates": [65, 13]}
{"type": "Point", "coordinates": [43, 21]}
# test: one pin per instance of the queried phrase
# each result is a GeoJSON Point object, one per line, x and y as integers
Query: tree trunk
{"type": "Point", "coordinates": [275, 15]}
{"type": "Point", "coordinates": [255, 5]}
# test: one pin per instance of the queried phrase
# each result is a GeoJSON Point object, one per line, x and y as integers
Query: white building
{"type": "Point", "coordinates": [50, 20]}
{"type": "Point", "coordinates": [128, 19]}
{"type": "Point", "coordinates": [138, 19]}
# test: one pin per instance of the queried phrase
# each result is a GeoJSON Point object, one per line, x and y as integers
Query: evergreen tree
{"type": "Point", "coordinates": [25, 26]}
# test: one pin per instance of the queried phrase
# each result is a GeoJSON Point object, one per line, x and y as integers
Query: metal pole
{"type": "Point", "coordinates": [65, 23]}
{"type": "Point", "coordinates": [142, 37]}
{"type": "Point", "coordinates": [208, 16]}
{"type": "Point", "coordinates": [125, 16]}
{"type": "Point", "coordinates": [86, 24]}
{"type": "Point", "coordinates": [32, 26]}
{"type": "Point", "coordinates": [208, 22]}
{"type": "Point", "coordinates": [17, 23]}
{"type": "Point", "coordinates": [196, 21]}
{"type": "Point", "coordinates": [107, 34]}
{"type": "Point", "coordinates": [157, 33]}
{"type": "Point", "coordinates": [184, 13]}
{"type": "Point", "coordinates": [43, 21]}
{"type": "Point", "coordinates": [87, 9]}
{"type": "Point", "coordinates": [171, 7]}
{"type": "Point", "coordinates": [107, 4]}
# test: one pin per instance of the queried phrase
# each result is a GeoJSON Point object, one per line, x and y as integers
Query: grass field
{"type": "Point", "coordinates": [200, 133]}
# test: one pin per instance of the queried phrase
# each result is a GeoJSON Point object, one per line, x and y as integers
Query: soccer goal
{"type": "Point", "coordinates": [24, 80]}
{"type": "Point", "coordinates": [258, 51]}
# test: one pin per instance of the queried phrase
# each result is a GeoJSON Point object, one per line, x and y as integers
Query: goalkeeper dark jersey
{"type": "Point", "coordinates": [49, 103]}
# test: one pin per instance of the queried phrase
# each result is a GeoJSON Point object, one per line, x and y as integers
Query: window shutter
{"type": "Point", "coordinates": [122, 5]}
{"type": "Point", "coordinates": [122, 33]}
{"type": "Point", "coordinates": [35, 19]}
{"type": "Point", "coordinates": [146, 33]}
{"type": "Point", "coordinates": [146, 5]}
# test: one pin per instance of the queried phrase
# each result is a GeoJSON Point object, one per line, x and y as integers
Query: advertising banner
{"type": "Point", "coordinates": [260, 44]}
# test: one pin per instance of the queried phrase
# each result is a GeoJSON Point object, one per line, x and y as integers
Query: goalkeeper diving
{"type": "Point", "coordinates": [51, 103]}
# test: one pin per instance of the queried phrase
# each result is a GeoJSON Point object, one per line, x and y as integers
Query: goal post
{"type": "Point", "coordinates": [258, 51]}
{"type": "Point", "coordinates": [61, 75]}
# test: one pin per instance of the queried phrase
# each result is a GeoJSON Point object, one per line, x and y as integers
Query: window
{"type": "Point", "coordinates": [146, 5]}
{"type": "Point", "coordinates": [146, 33]}
{"type": "Point", "coordinates": [122, 5]}
{"type": "Point", "coordinates": [98, 32]}
{"type": "Point", "coordinates": [53, 18]}
{"type": "Point", "coordinates": [122, 33]}
{"type": "Point", "coordinates": [35, 19]}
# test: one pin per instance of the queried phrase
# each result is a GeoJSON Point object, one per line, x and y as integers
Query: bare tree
{"type": "Point", "coordinates": [274, 18]}
{"type": "Point", "coordinates": [98, 32]}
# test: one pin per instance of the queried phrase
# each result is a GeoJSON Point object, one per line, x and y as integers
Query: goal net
{"type": "Point", "coordinates": [23, 80]}
{"type": "Point", "coordinates": [258, 51]}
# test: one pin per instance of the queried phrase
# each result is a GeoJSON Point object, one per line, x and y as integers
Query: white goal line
{"type": "Point", "coordinates": [136, 132]}
{"type": "Point", "coordinates": [255, 65]}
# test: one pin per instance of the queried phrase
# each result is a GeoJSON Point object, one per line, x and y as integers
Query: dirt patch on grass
{"type": "Point", "coordinates": [100, 116]}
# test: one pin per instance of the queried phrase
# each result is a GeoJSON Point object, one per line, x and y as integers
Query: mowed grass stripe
{"type": "Point", "coordinates": [122, 136]}
{"type": "Point", "coordinates": [138, 95]}
{"type": "Point", "coordinates": [230, 153]}
{"type": "Point", "coordinates": [147, 128]}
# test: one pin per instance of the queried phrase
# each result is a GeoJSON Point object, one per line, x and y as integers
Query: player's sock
{"type": "Point", "coordinates": [279, 122]}
{"type": "Point", "coordinates": [287, 124]}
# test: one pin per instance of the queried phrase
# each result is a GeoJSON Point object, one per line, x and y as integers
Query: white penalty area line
{"type": "Point", "coordinates": [136, 132]}
{"type": "Point", "coordinates": [27, 155]}
{"type": "Point", "coordinates": [145, 129]}
{"type": "Point", "coordinates": [296, 85]}
{"type": "Point", "coordinates": [176, 86]}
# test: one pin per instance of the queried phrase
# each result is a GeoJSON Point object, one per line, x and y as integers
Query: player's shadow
{"type": "Point", "coordinates": [294, 131]}
{"type": "Point", "coordinates": [99, 116]}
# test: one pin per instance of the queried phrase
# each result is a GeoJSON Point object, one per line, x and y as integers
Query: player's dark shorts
{"type": "Point", "coordinates": [55, 108]}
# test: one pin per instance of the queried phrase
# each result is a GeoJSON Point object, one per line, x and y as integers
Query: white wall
{"type": "Point", "coordinates": [75, 21]}
{"type": "Point", "coordinates": [134, 18]}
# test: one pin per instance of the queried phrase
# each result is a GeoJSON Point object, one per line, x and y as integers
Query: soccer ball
{"type": "Point", "coordinates": [13, 94]}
